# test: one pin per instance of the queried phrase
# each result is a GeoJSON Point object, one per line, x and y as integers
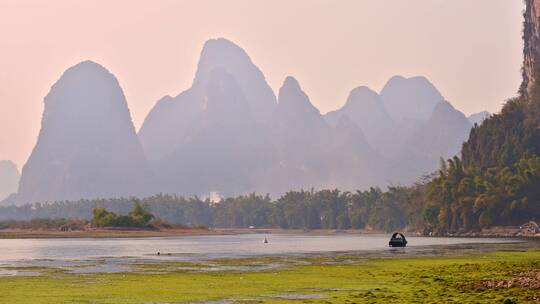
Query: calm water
{"type": "Point", "coordinates": [205, 247]}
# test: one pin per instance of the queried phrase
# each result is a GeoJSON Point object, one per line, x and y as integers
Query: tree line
{"type": "Point", "coordinates": [325, 209]}
{"type": "Point", "coordinates": [455, 199]}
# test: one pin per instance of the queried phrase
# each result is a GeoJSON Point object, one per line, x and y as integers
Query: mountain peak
{"type": "Point", "coordinates": [220, 43]}
{"type": "Point", "coordinates": [224, 54]}
{"type": "Point", "coordinates": [445, 112]}
{"type": "Point", "coordinates": [293, 98]}
{"type": "Point", "coordinates": [396, 78]}
{"type": "Point", "coordinates": [172, 123]}
{"type": "Point", "coordinates": [87, 146]}
{"type": "Point", "coordinates": [87, 83]}
{"type": "Point", "coordinates": [400, 78]}
{"type": "Point", "coordinates": [88, 64]}
{"type": "Point", "coordinates": [410, 98]}
{"type": "Point", "coordinates": [414, 81]}
{"type": "Point", "coordinates": [290, 83]}
{"type": "Point", "coordinates": [361, 93]}
{"type": "Point", "coordinates": [364, 104]}
{"type": "Point", "coordinates": [86, 69]}
{"type": "Point", "coordinates": [222, 48]}
{"type": "Point", "coordinates": [295, 108]}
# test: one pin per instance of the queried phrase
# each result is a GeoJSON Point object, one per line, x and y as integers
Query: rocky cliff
{"type": "Point", "coordinates": [514, 133]}
{"type": "Point", "coordinates": [531, 51]}
{"type": "Point", "coordinates": [87, 146]}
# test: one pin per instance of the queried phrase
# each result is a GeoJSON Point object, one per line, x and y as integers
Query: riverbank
{"type": "Point", "coordinates": [102, 233]}
{"type": "Point", "coordinates": [503, 274]}
{"type": "Point", "coordinates": [496, 232]}
{"type": "Point", "coordinates": [166, 232]}
{"type": "Point", "coordinates": [502, 231]}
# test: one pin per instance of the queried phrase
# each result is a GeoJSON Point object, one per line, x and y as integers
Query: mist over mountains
{"type": "Point", "coordinates": [9, 178]}
{"type": "Point", "coordinates": [478, 118]}
{"type": "Point", "coordinates": [228, 133]}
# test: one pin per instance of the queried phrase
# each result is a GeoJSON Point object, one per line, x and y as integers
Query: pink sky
{"type": "Point", "coordinates": [471, 50]}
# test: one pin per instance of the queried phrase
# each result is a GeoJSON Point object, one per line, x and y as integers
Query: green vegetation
{"type": "Point", "coordinates": [138, 217]}
{"type": "Point", "coordinates": [497, 181]}
{"type": "Point", "coordinates": [325, 209]}
{"type": "Point", "coordinates": [503, 139]}
{"type": "Point", "coordinates": [335, 279]}
{"type": "Point", "coordinates": [462, 198]}
{"type": "Point", "coordinates": [457, 199]}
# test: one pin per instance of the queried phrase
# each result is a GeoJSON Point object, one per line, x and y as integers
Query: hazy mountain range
{"type": "Point", "coordinates": [228, 133]}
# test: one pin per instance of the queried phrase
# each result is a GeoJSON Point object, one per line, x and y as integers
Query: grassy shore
{"type": "Point", "coordinates": [493, 277]}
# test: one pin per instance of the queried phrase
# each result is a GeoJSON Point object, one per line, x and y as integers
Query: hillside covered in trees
{"type": "Point", "coordinates": [497, 179]}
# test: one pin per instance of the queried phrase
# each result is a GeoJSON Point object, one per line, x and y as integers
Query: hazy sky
{"type": "Point", "coordinates": [471, 50]}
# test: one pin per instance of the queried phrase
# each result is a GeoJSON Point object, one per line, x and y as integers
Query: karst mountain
{"type": "Point", "coordinates": [229, 134]}
{"type": "Point", "coordinates": [87, 146]}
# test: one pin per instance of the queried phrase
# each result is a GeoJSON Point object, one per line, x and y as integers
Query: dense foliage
{"type": "Point", "coordinates": [326, 209]}
{"type": "Point", "coordinates": [497, 181]}
{"type": "Point", "coordinates": [503, 139]}
{"type": "Point", "coordinates": [137, 217]}
{"type": "Point", "coordinates": [464, 198]}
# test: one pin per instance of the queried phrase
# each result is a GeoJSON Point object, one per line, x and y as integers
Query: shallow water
{"type": "Point", "coordinates": [45, 251]}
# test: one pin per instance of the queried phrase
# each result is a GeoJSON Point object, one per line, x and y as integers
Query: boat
{"type": "Point", "coordinates": [397, 240]}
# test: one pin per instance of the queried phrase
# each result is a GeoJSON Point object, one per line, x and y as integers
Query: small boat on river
{"type": "Point", "coordinates": [397, 240]}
